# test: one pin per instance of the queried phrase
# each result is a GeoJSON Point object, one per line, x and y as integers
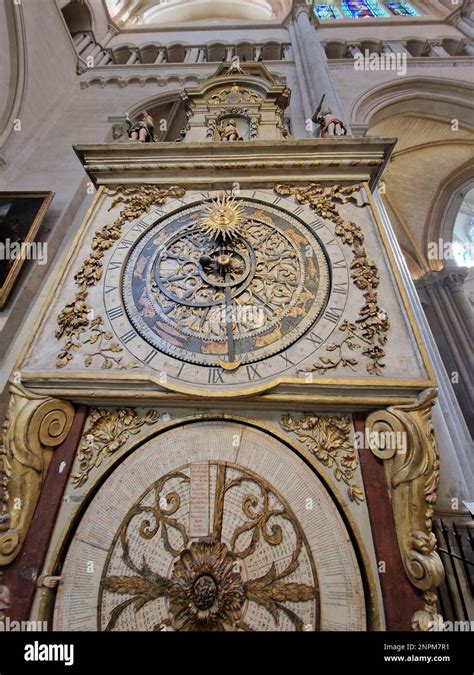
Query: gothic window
{"type": "Point", "coordinates": [362, 9]}
{"type": "Point", "coordinates": [327, 11]}
{"type": "Point", "coordinates": [463, 233]}
{"type": "Point", "coordinates": [401, 9]}
{"type": "Point", "coordinates": [115, 6]}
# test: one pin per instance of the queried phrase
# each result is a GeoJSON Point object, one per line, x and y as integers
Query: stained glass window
{"type": "Point", "coordinates": [401, 9]}
{"type": "Point", "coordinates": [362, 9]}
{"type": "Point", "coordinates": [326, 11]}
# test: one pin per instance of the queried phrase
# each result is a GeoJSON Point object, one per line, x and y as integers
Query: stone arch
{"type": "Point", "coordinates": [78, 17]}
{"type": "Point", "coordinates": [438, 99]}
{"type": "Point", "coordinates": [442, 216]}
{"type": "Point", "coordinates": [122, 53]}
{"type": "Point", "coordinates": [216, 51]}
{"type": "Point", "coordinates": [167, 105]}
{"type": "Point", "coordinates": [149, 52]}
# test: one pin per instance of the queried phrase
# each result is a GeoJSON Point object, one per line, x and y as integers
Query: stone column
{"type": "Point", "coordinates": [354, 50]}
{"type": "Point", "coordinates": [83, 44]}
{"type": "Point", "coordinates": [78, 37]}
{"type": "Point", "coordinates": [161, 55]}
{"type": "Point", "coordinates": [105, 58]}
{"type": "Point", "coordinates": [258, 53]}
{"type": "Point", "coordinates": [133, 58]}
{"type": "Point", "coordinates": [465, 27]}
{"type": "Point", "coordinates": [111, 32]}
{"type": "Point", "coordinates": [396, 48]}
{"type": "Point", "coordinates": [201, 55]}
{"type": "Point", "coordinates": [316, 66]}
{"type": "Point", "coordinates": [229, 53]}
{"type": "Point", "coordinates": [454, 441]}
{"type": "Point", "coordinates": [301, 79]}
{"type": "Point", "coordinates": [454, 283]}
{"type": "Point", "coordinates": [437, 49]}
{"type": "Point", "coordinates": [191, 55]}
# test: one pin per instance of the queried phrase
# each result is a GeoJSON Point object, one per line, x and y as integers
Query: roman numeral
{"type": "Point", "coordinates": [252, 372]}
{"type": "Point", "coordinates": [316, 225]}
{"type": "Point", "coordinates": [128, 336]}
{"type": "Point", "coordinates": [340, 288]}
{"type": "Point", "coordinates": [124, 244]}
{"type": "Point", "coordinates": [140, 226]}
{"type": "Point", "coordinates": [109, 289]}
{"type": "Point", "coordinates": [333, 314]}
{"type": "Point", "coordinates": [115, 313]}
{"type": "Point", "coordinates": [181, 368]}
{"type": "Point", "coordinates": [286, 359]}
{"type": "Point", "coordinates": [114, 265]}
{"type": "Point", "coordinates": [298, 210]}
{"type": "Point", "coordinates": [214, 376]}
{"type": "Point", "coordinates": [339, 263]}
{"type": "Point", "coordinates": [150, 356]}
{"type": "Point", "coordinates": [314, 338]}
{"type": "Point", "coordinates": [277, 200]}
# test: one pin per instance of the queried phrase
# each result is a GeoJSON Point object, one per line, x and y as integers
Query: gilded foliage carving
{"type": "Point", "coordinates": [205, 588]}
{"type": "Point", "coordinates": [368, 332]}
{"type": "Point", "coordinates": [107, 432]}
{"type": "Point", "coordinates": [331, 441]}
{"type": "Point", "coordinates": [77, 325]}
{"type": "Point", "coordinates": [33, 426]}
{"type": "Point", "coordinates": [414, 478]}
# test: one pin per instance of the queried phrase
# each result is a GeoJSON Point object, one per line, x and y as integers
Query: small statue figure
{"type": "Point", "coordinates": [143, 130]}
{"type": "Point", "coordinates": [330, 124]}
{"type": "Point", "coordinates": [234, 68]}
{"type": "Point", "coordinates": [228, 131]}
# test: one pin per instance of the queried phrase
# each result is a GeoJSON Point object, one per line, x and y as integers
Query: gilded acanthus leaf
{"type": "Point", "coordinates": [330, 440]}
{"type": "Point", "coordinates": [76, 319]}
{"type": "Point", "coordinates": [137, 586]}
{"type": "Point", "coordinates": [107, 431]}
{"type": "Point", "coordinates": [369, 331]}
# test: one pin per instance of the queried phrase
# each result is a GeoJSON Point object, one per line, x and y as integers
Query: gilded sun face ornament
{"type": "Point", "coordinates": [224, 219]}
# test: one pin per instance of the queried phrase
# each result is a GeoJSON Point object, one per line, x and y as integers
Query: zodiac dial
{"type": "Point", "coordinates": [222, 283]}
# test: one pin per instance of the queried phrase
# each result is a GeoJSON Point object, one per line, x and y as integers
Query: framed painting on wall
{"type": "Point", "coordinates": [21, 214]}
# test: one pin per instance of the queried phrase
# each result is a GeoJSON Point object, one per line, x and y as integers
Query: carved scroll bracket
{"type": "Point", "coordinates": [34, 425]}
{"type": "Point", "coordinates": [413, 475]}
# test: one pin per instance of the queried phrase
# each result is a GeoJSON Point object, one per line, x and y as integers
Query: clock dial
{"type": "Point", "coordinates": [225, 288]}
{"type": "Point", "coordinates": [212, 300]}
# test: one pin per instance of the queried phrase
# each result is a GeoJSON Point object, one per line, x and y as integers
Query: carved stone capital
{"type": "Point", "coordinates": [33, 426]}
{"type": "Point", "coordinates": [454, 279]}
{"type": "Point", "coordinates": [413, 475]}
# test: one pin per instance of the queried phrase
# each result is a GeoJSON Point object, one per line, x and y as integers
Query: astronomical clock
{"type": "Point", "coordinates": [225, 373]}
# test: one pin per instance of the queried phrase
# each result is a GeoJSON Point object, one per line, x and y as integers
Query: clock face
{"type": "Point", "coordinates": [223, 291]}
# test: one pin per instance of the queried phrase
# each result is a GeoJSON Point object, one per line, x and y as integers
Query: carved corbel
{"type": "Point", "coordinates": [34, 425]}
{"type": "Point", "coordinates": [412, 469]}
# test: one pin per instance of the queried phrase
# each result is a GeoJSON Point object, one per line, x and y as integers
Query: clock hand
{"type": "Point", "coordinates": [228, 321]}
{"type": "Point", "coordinates": [231, 363]}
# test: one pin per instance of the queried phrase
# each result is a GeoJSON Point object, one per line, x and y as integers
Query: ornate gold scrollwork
{"type": "Point", "coordinates": [413, 474]}
{"type": "Point", "coordinates": [75, 323]}
{"type": "Point", "coordinates": [331, 441]}
{"type": "Point", "coordinates": [368, 332]}
{"type": "Point", "coordinates": [34, 425]}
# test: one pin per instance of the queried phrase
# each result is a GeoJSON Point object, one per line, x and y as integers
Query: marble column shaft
{"type": "Point", "coordinates": [316, 67]}
{"type": "Point", "coordinates": [454, 440]}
